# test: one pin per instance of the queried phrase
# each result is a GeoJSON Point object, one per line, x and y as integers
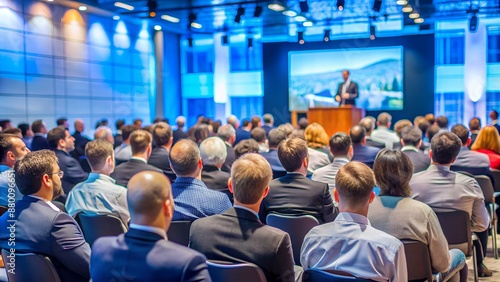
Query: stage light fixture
{"type": "Point", "coordinates": [289, 13]}
{"type": "Point", "coordinates": [326, 34]}
{"type": "Point", "coordinates": [258, 11]}
{"type": "Point", "coordinates": [340, 4]}
{"type": "Point", "coordinates": [419, 21]}
{"type": "Point", "coordinates": [82, 8]}
{"type": "Point", "coordinates": [224, 39]}
{"type": "Point", "coordinates": [473, 23]}
{"type": "Point", "coordinates": [276, 6]}
{"type": "Point", "coordinates": [407, 8]}
{"type": "Point", "coordinates": [304, 6]}
{"type": "Point", "coordinates": [401, 2]}
{"type": "Point", "coordinates": [414, 15]}
{"type": "Point", "coordinates": [124, 6]}
{"type": "Point", "coordinates": [152, 6]}
{"type": "Point", "coordinates": [300, 37]}
{"type": "Point", "coordinates": [300, 18]}
{"type": "Point", "coordinates": [373, 30]}
{"type": "Point", "coordinates": [240, 12]}
{"type": "Point", "coordinates": [377, 4]}
{"type": "Point", "coordinates": [157, 27]}
{"type": "Point", "coordinates": [116, 17]}
{"type": "Point", "coordinates": [307, 23]}
{"type": "Point", "coordinates": [250, 42]}
{"type": "Point", "coordinates": [169, 18]}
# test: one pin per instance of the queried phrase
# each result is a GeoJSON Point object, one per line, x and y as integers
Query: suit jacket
{"type": "Point", "coordinates": [238, 236]}
{"type": "Point", "coordinates": [118, 140]}
{"type": "Point", "coordinates": [352, 89]}
{"type": "Point", "coordinates": [39, 143]}
{"type": "Point", "coordinates": [267, 128]}
{"type": "Point", "coordinates": [80, 143]}
{"type": "Point", "coordinates": [73, 172]}
{"type": "Point", "coordinates": [178, 135]}
{"type": "Point", "coordinates": [126, 170]}
{"type": "Point", "coordinates": [216, 179]}
{"type": "Point", "coordinates": [364, 154]}
{"type": "Point", "coordinates": [40, 229]}
{"type": "Point", "coordinates": [230, 158]}
{"type": "Point", "coordinates": [145, 256]}
{"type": "Point", "coordinates": [241, 134]}
{"type": "Point", "coordinates": [420, 161]}
{"type": "Point", "coordinates": [373, 143]}
{"type": "Point", "coordinates": [473, 137]}
{"type": "Point", "coordinates": [295, 194]}
{"type": "Point", "coordinates": [472, 162]}
{"type": "Point", "coordinates": [159, 159]}
{"type": "Point", "coordinates": [327, 173]}
{"type": "Point", "coordinates": [273, 160]}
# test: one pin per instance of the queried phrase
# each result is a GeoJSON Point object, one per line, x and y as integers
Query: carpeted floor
{"type": "Point", "coordinates": [492, 263]}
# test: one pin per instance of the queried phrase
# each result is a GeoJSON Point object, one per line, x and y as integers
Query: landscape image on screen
{"type": "Point", "coordinates": [314, 77]}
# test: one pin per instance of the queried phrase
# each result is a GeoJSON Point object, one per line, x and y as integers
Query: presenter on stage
{"type": "Point", "coordinates": [347, 91]}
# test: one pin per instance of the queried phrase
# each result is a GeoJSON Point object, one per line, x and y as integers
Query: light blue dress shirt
{"type": "Point", "coordinates": [7, 181]}
{"type": "Point", "coordinates": [350, 244]}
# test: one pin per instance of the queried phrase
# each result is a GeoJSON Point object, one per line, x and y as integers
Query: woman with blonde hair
{"type": "Point", "coordinates": [488, 142]}
{"type": "Point", "coordinates": [317, 144]}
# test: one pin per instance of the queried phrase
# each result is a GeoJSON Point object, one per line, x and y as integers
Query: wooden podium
{"type": "Point", "coordinates": [336, 119]}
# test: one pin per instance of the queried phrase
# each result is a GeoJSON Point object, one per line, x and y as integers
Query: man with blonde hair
{"type": "Point", "coordinates": [237, 235]}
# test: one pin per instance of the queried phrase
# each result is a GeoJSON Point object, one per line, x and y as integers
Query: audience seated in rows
{"type": "Point", "coordinates": [275, 137]}
{"type": "Point", "coordinates": [441, 188]}
{"type": "Point", "coordinates": [237, 235]}
{"type": "Point", "coordinates": [39, 141]}
{"type": "Point", "coordinates": [488, 143]}
{"type": "Point", "coordinates": [213, 153]}
{"type": "Point", "coordinates": [123, 152]}
{"type": "Point", "coordinates": [141, 145]}
{"type": "Point", "coordinates": [80, 140]}
{"type": "Point", "coordinates": [228, 135]}
{"type": "Point", "coordinates": [361, 152]}
{"type": "Point", "coordinates": [411, 139]}
{"type": "Point", "coordinates": [317, 142]}
{"type": "Point", "coordinates": [442, 123]}
{"type": "Point", "coordinates": [193, 199]}
{"type": "Point", "coordinates": [162, 138]}
{"type": "Point", "coordinates": [40, 227]}
{"type": "Point", "coordinates": [144, 253]}
{"type": "Point", "coordinates": [99, 194]}
{"type": "Point", "coordinates": [410, 219]}
{"type": "Point", "coordinates": [368, 123]}
{"type": "Point", "coordinates": [350, 244]}
{"type": "Point", "coordinates": [398, 128]}
{"type": "Point", "coordinates": [294, 193]}
{"type": "Point", "coordinates": [383, 133]}
{"type": "Point", "coordinates": [12, 148]}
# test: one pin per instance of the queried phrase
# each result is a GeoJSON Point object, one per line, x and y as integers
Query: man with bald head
{"type": "Point", "coordinates": [80, 140]}
{"type": "Point", "coordinates": [144, 252]}
{"type": "Point", "coordinates": [192, 197]}
{"type": "Point", "coordinates": [104, 133]}
{"type": "Point", "coordinates": [362, 152]}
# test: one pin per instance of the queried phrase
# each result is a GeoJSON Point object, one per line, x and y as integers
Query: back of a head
{"type": "Point", "coordinates": [246, 146]}
{"type": "Point", "coordinates": [184, 157]}
{"type": "Point", "coordinates": [140, 140]}
{"type": "Point", "coordinates": [303, 123]}
{"type": "Point", "coordinates": [297, 133]}
{"type": "Point", "coordinates": [494, 115]}
{"type": "Point", "coordinates": [97, 151]}
{"type": "Point", "coordinates": [126, 131]}
{"type": "Point", "coordinates": [340, 144]}
{"type": "Point", "coordinates": [250, 176]}
{"type": "Point", "coordinates": [104, 133]}
{"type": "Point", "coordinates": [367, 123]}
{"type": "Point", "coordinates": [213, 151]}
{"type": "Point", "coordinates": [445, 147]}
{"type": "Point", "coordinates": [225, 132]}
{"type": "Point", "coordinates": [442, 122]}
{"type": "Point", "coordinates": [384, 119]}
{"type": "Point", "coordinates": [431, 131]}
{"type": "Point", "coordinates": [474, 124]}
{"type": "Point", "coordinates": [162, 133]}
{"type": "Point", "coordinates": [291, 153]}
{"type": "Point", "coordinates": [37, 126]}
{"type": "Point", "coordinates": [61, 121]}
{"type": "Point", "coordinates": [137, 122]}
{"type": "Point", "coordinates": [488, 139]}
{"type": "Point", "coordinates": [316, 136]}
{"type": "Point", "coordinates": [119, 123]}
{"type": "Point", "coordinates": [287, 128]}
{"type": "Point", "coordinates": [462, 132]}
{"type": "Point", "coordinates": [411, 135]}
{"type": "Point", "coordinates": [258, 134]}
{"type": "Point", "coordinates": [147, 192]}
{"type": "Point", "coordinates": [354, 183]}
{"type": "Point", "coordinates": [201, 132]}
{"type": "Point", "coordinates": [30, 169]}
{"type": "Point", "coordinates": [24, 128]}
{"type": "Point", "coordinates": [398, 127]}
{"type": "Point", "coordinates": [256, 121]}
{"type": "Point", "coordinates": [233, 120]}
{"type": "Point", "coordinates": [275, 136]}
{"type": "Point", "coordinates": [181, 121]}
{"type": "Point", "coordinates": [430, 118]}
{"type": "Point", "coordinates": [54, 135]}
{"type": "Point", "coordinates": [14, 131]}
{"type": "Point", "coordinates": [417, 120]}
{"type": "Point", "coordinates": [5, 123]}
{"type": "Point", "coordinates": [357, 134]}
{"type": "Point", "coordinates": [424, 125]}
{"type": "Point", "coordinates": [268, 118]}
{"type": "Point", "coordinates": [393, 170]}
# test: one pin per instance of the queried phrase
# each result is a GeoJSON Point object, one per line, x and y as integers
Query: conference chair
{"type": "Point", "coordinates": [178, 232]}
{"type": "Point", "coordinates": [30, 267]}
{"type": "Point", "coordinates": [3, 210]}
{"type": "Point", "coordinates": [296, 226]}
{"type": "Point", "coordinates": [418, 261]}
{"type": "Point", "coordinates": [227, 272]}
{"type": "Point", "coordinates": [456, 227]}
{"type": "Point", "coordinates": [315, 275]}
{"type": "Point", "coordinates": [99, 225]}
{"type": "Point", "coordinates": [496, 175]}
{"type": "Point", "coordinates": [489, 199]}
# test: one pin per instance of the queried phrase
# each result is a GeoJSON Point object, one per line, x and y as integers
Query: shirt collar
{"type": "Point", "coordinates": [341, 159]}
{"type": "Point", "coordinates": [40, 134]}
{"type": "Point", "coordinates": [247, 209]}
{"type": "Point", "coordinates": [148, 228]}
{"type": "Point", "coordinates": [46, 201]}
{"type": "Point", "coordinates": [139, 159]}
{"type": "Point", "coordinates": [409, 148]}
{"type": "Point", "coordinates": [353, 217]}
{"type": "Point", "coordinates": [95, 175]}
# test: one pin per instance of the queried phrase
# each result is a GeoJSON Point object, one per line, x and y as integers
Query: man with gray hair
{"type": "Point", "coordinates": [383, 134]}
{"type": "Point", "coordinates": [411, 139]}
{"type": "Point", "coordinates": [213, 153]}
{"type": "Point", "coordinates": [369, 124]}
{"type": "Point", "coordinates": [234, 121]}
{"type": "Point", "coordinates": [268, 122]}
{"type": "Point", "coordinates": [179, 133]}
{"type": "Point", "coordinates": [192, 198]}
{"type": "Point", "coordinates": [228, 134]}
{"type": "Point", "coordinates": [104, 133]}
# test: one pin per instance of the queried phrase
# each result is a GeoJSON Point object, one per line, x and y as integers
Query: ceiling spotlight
{"type": "Point", "coordinates": [50, 0]}
{"type": "Point", "coordinates": [304, 7]}
{"type": "Point", "coordinates": [157, 27]}
{"type": "Point", "coordinates": [224, 39]}
{"type": "Point", "coordinates": [152, 5]}
{"type": "Point", "coordinates": [407, 9]}
{"type": "Point", "coordinates": [401, 2]}
{"type": "Point", "coordinates": [250, 42]}
{"type": "Point", "coordinates": [326, 34]}
{"type": "Point", "coordinates": [307, 23]}
{"type": "Point", "coordinates": [258, 11]}
{"type": "Point", "coordinates": [240, 12]}
{"type": "Point", "coordinates": [169, 18]}
{"type": "Point", "coordinates": [276, 6]}
{"type": "Point", "coordinates": [376, 5]}
{"type": "Point", "coordinates": [372, 32]}
{"type": "Point", "coordinates": [300, 37]}
{"type": "Point", "coordinates": [196, 25]}
{"type": "Point", "coordinates": [340, 4]}
{"type": "Point", "coordinates": [473, 23]}
{"type": "Point", "coordinates": [289, 13]}
{"type": "Point", "coordinates": [300, 18]}
{"type": "Point", "coordinates": [414, 15]}
{"type": "Point", "coordinates": [116, 18]}
{"type": "Point", "coordinates": [190, 42]}
{"type": "Point", "coordinates": [124, 6]}
{"type": "Point", "coordinates": [82, 8]}
{"type": "Point", "coordinates": [419, 20]}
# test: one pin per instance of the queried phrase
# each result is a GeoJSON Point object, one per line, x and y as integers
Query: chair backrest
{"type": "Point", "coordinates": [228, 272]}
{"type": "Point", "coordinates": [457, 229]}
{"type": "Point", "coordinates": [296, 226]}
{"type": "Point", "coordinates": [496, 175]}
{"type": "Point", "coordinates": [487, 188]}
{"type": "Point", "coordinates": [418, 260]}
{"type": "Point", "coordinates": [100, 225]}
{"type": "Point", "coordinates": [178, 232]}
{"type": "Point", "coordinates": [30, 267]}
{"type": "Point", "coordinates": [3, 210]}
{"type": "Point", "coordinates": [315, 275]}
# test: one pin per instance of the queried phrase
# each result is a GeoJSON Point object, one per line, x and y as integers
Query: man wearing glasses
{"type": "Point", "coordinates": [35, 225]}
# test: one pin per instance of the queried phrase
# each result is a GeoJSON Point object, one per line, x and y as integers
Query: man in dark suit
{"type": "Point", "coordinates": [347, 91]}
{"type": "Point", "coordinates": [275, 137]}
{"type": "Point", "coordinates": [62, 143]}
{"type": "Point", "coordinates": [494, 119]}
{"type": "Point", "coordinates": [243, 132]}
{"type": "Point", "coordinates": [228, 135]}
{"type": "Point", "coordinates": [411, 139]}
{"type": "Point", "coordinates": [40, 227]}
{"type": "Point", "coordinates": [118, 136]}
{"type": "Point", "coordinates": [362, 153]}
{"type": "Point", "coordinates": [141, 143]}
{"type": "Point", "coordinates": [294, 193]}
{"type": "Point", "coordinates": [179, 134]}
{"type": "Point", "coordinates": [80, 140]}
{"type": "Point", "coordinates": [162, 137]}
{"type": "Point", "coordinates": [213, 153]}
{"type": "Point", "coordinates": [39, 141]}
{"type": "Point", "coordinates": [474, 127]}
{"type": "Point", "coordinates": [237, 235]}
{"type": "Point", "coordinates": [144, 252]}
{"type": "Point", "coordinates": [268, 123]}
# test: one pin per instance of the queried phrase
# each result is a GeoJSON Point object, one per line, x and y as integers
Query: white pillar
{"type": "Point", "coordinates": [221, 77]}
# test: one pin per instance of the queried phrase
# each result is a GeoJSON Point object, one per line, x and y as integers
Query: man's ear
{"type": "Point", "coordinates": [336, 195]}
{"type": "Point", "coordinates": [200, 163]}
{"type": "Point", "coordinates": [266, 191]}
{"type": "Point", "coordinates": [372, 197]}
{"type": "Point", "coordinates": [46, 181]}
{"type": "Point", "coordinates": [230, 185]}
